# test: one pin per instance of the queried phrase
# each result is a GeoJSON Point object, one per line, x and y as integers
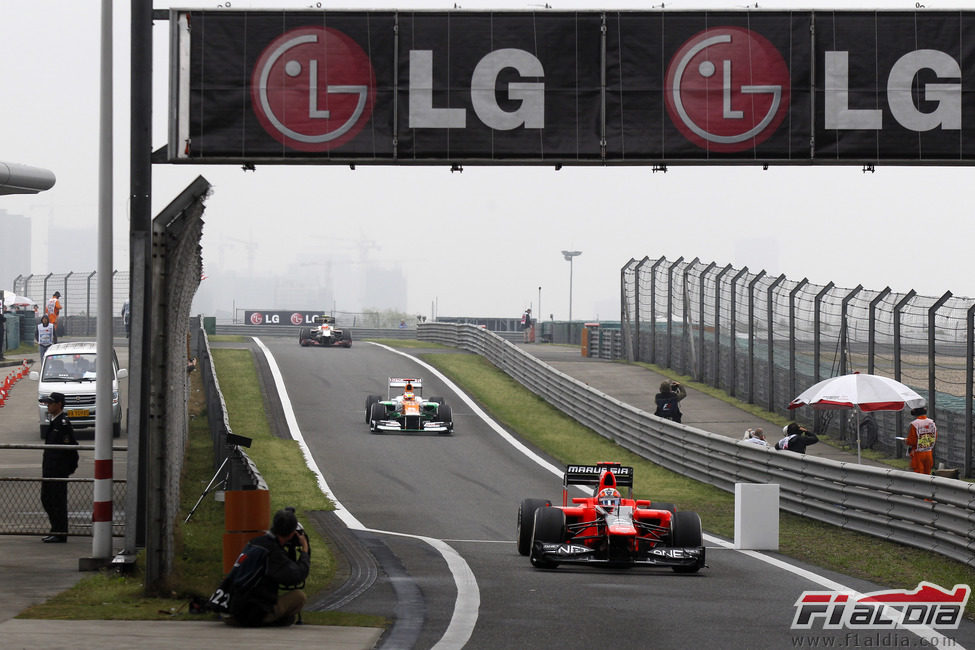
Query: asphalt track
{"type": "Point", "coordinates": [431, 519]}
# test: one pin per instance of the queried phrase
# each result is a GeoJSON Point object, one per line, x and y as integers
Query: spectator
{"type": "Point", "coordinates": [45, 335]}
{"type": "Point", "coordinates": [671, 393]}
{"type": "Point", "coordinates": [756, 437]}
{"type": "Point", "coordinates": [126, 318]}
{"type": "Point", "coordinates": [796, 438]}
{"type": "Point", "coordinates": [921, 436]}
{"type": "Point", "coordinates": [53, 308]}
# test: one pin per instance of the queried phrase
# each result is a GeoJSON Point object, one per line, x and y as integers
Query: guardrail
{"type": "Point", "coordinates": [21, 512]}
{"type": "Point", "coordinates": [358, 333]}
{"type": "Point", "coordinates": [930, 512]}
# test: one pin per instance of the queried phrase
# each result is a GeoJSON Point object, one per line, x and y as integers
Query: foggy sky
{"type": "Point", "coordinates": [480, 242]}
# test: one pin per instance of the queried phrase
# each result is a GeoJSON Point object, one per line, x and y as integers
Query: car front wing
{"type": "Point", "coordinates": [667, 556]}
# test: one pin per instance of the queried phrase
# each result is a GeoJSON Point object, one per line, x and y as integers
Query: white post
{"type": "Point", "coordinates": [101, 512]}
{"type": "Point", "coordinates": [757, 516]}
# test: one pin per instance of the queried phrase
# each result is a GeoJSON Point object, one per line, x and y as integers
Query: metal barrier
{"type": "Point", "coordinates": [21, 512]}
{"type": "Point", "coordinates": [933, 513]}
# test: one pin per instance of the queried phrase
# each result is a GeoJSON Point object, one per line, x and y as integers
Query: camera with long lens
{"type": "Point", "coordinates": [293, 544]}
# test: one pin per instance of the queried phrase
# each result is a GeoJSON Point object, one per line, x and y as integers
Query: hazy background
{"type": "Point", "coordinates": [428, 241]}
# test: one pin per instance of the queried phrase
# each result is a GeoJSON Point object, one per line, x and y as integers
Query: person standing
{"type": "Point", "coordinates": [45, 335]}
{"type": "Point", "coordinates": [263, 605]}
{"type": "Point", "coordinates": [921, 436]}
{"type": "Point", "coordinates": [53, 308]}
{"type": "Point", "coordinates": [668, 400]}
{"type": "Point", "coordinates": [57, 463]}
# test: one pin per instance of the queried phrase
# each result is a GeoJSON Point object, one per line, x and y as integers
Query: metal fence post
{"type": "Point", "coordinates": [716, 378]}
{"type": "Point", "coordinates": [700, 323]}
{"type": "Point", "coordinates": [653, 309]}
{"type": "Point", "coordinates": [969, 369]}
{"type": "Point", "coordinates": [751, 335]}
{"type": "Point", "coordinates": [670, 309]}
{"type": "Point", "coordinates": [897, 354]}
{"type": "Point", "coordinates": [816, 326]}
{"type": "Point", "coordinates": [872, 330]}
{"type": "Point", "coordinates": [637, 354]}
{"type": "Point", "coordinates": [843, 338]}
{"type": "Point", "coordinates": [686, 340]}
{"type": "Point", "coordinates": [932, 313]}
{"type": "Point", "coordinates": [88, 301]}
{"type": "Point", "coordinates": [734, 327]}
{"type": "Point", "coordinates": [771, 341]}
{"type": "Point", "coordinates": [792, 335]}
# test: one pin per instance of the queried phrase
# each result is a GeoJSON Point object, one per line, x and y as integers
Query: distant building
{"type": "Point", "coordinates": [15, 245]}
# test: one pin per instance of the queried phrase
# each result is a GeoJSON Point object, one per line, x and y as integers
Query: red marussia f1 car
{"type": "Point", "coordinates": [606, 528]}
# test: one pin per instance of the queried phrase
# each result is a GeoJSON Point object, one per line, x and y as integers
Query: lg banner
{"type": "Point", "coordinates": [287, 318]}
{"type": "Point", "coordinates": [571, 87]}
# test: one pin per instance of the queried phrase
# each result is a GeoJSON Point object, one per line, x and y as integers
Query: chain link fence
{"type": "Point", "coordinates": [79, 298]}
{"type": "Point", "coordinates": [765, 338]}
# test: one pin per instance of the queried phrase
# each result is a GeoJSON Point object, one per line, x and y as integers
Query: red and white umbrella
{"type": "Point", "coordinates": [859, 392]}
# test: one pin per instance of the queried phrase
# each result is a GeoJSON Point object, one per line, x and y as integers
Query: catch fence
{"type": "Point", "coordinates": [764, 339]}
{"type": "Point", "coordinates": [79, 298]}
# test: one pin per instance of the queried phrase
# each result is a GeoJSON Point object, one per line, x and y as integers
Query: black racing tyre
{"type": "Point", "coordinates": [549, 527]}
{"type": "Point", "coordinates": [436, 400]}
{"type": "Point", "coordinates": [526, 522]}
{"type": "Point", "coordinates": [687, 534]}
{"type": "Point", "coordinates": [378, 413]}
{"type": "Point", "coordinates": [304, 334]}
{"type": "Point", "coordinates": [445, 416]}
{"type": "Point", "coordinates": [370, 400]}
{"type": "Point", "coordinates": [347, 335]}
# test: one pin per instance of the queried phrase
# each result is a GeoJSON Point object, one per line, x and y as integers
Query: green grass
{"type": "Point", "coordinates": [410, 343]}
{"type": "Point", "coordinates": [198, 564]}
{"type": "Point", "coordinates": [855, 554]}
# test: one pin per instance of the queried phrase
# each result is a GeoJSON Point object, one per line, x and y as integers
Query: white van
{"type": "Point", "coordinates": [69, 368]}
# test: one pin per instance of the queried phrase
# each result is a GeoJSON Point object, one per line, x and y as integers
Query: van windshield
{"type": "Point", "coordinates": [69, 367]}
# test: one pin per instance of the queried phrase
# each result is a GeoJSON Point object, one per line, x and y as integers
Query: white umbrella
{"type": "Point", "coordinates": [10, 299]}
{"type": "Point", "coordinates": [859, 392]}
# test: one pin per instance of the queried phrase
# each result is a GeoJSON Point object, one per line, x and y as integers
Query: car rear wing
{"type": "Point", "coordinates": [589, 474]}
{"type": "Point", "coordinates": [401, 382]}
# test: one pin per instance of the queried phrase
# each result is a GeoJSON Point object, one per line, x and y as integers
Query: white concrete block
{"type": "Point", "coordinates": [757, 516]}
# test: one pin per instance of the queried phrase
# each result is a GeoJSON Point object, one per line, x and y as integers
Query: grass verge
{"type": "Point", "coordinates": [198, 563]}
{"type": "Point", "coordinates": [854, 554]}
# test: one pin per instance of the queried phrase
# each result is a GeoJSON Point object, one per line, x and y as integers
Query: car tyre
{"type": "Point", "coordinates": [378, 413]}
{"type": "Point", "coordinates": [550, 528]}
{"type": "Point", "coordinates": [686, 533]}
{"type": "Point", "coordinates": [445, 416]}
{"type": "Point", "coordinates": [370, 400]}
{"type": "Point", "coordinates": [526, 522]}
{"type": "Point", "coordinates": [303, 335]}
{"type": "Point", "coordinates": [663, 505]}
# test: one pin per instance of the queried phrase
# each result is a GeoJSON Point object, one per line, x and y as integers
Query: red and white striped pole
{"type": "Point", "coordinates": [101, 510]}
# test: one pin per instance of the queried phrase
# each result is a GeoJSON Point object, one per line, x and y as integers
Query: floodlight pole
{"type": "Point", "coordinates": [568, 255]}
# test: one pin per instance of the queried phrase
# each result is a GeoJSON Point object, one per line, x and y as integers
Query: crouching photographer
{"type": "Point", "coordinates": [264, 587]}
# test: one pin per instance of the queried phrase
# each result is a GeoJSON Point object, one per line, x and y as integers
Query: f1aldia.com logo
{"type": "Point", "coordinates": [313, 89]}
{"type": "Point", "coordinates": [727, 89]}
{"type": "Point", "coordinates": [928, 605]}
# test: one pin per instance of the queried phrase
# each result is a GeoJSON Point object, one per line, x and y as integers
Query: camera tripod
{"type": "Point", "coordinates": [213, 484]}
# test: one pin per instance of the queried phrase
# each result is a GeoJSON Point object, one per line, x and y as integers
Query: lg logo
{"type": "Point", "coordinates": [727, 89]}
{"type": "Point", "coordinates": [313, 89]}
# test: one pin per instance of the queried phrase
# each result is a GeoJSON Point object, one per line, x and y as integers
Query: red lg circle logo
{"type": "Point", "coordinates": [727, 89]}
{"type": "Point", "coordinates": [313, 89]}
{"type": "Point", "coordinates": [256, 318]}
{"type": "Point", "coordinates": [297, 319]}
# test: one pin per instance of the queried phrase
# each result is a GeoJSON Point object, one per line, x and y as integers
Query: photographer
{"type": "Point", "coordinates": [288, 562]}
{"type": "Point", "coordinates": [668, 399]}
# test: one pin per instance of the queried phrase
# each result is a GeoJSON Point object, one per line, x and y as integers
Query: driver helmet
{"type": "Point", "coordinates": [409, 396]}
{"type": "Point", "coordinates": [609, 499]}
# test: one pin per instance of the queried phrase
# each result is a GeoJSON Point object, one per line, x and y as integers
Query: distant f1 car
{"type": "Point", "coordinates": [606, 528]}
{"type": "Point", "coordinates": [324, 334]}
{"type": "Point", "coordinates": [407, 410]}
